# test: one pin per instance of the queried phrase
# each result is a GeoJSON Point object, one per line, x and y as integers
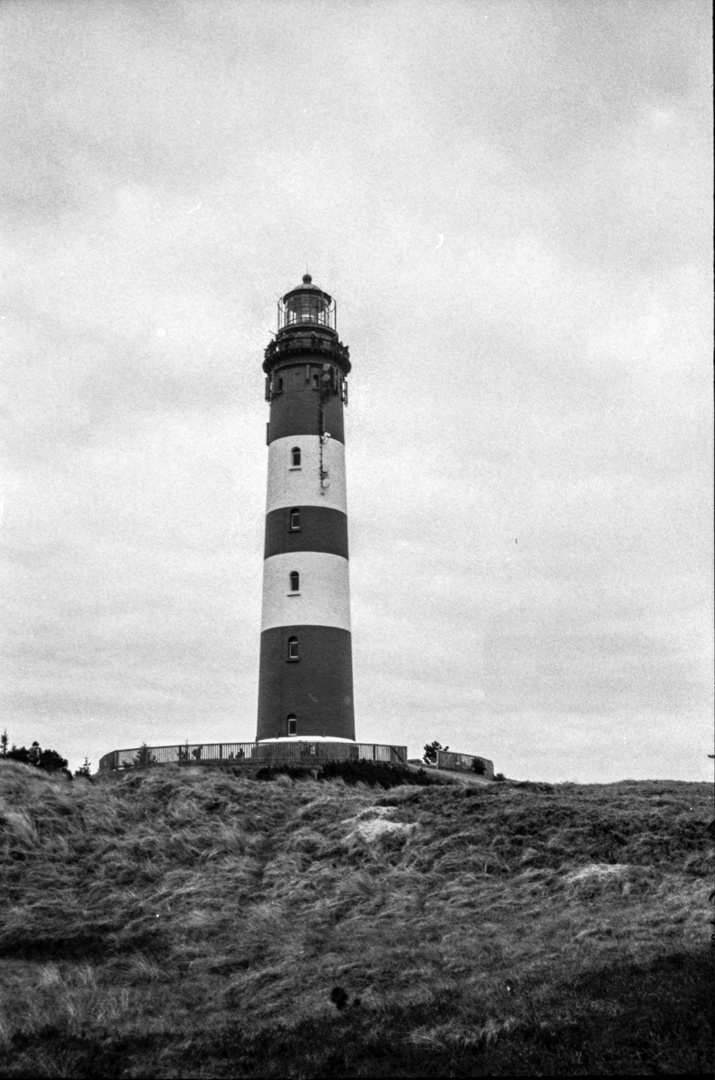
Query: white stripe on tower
{"type": "Point", "coordinates": [301, 486]}
{"type": "Point", "coordinates": [322, 597]}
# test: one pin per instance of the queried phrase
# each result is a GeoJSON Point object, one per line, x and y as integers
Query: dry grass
{"type": "Point", "coordinates": [185, 922]}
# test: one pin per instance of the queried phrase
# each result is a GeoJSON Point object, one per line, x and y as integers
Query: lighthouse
{"type": "Point", "coordinates": [305, 680]}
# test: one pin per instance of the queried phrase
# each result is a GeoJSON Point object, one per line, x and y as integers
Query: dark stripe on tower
{"type": "Point", "coordinates": [323, 671]}
{"type": "Point", "coordinates": [296, 409]}
{"type": "Point", "coordinates": [322, 528]}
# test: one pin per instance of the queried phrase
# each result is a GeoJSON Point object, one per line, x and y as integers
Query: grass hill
{"type": "Point", "coordinates": [188, 923]}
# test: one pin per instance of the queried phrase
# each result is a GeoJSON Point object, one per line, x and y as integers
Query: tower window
{"type": "Point", "coordinates": [295, 457]}
{"type": "Point", "coordinates": [295, 520]}
{"type": "Point", "coordinates": [279, 390]}
{"type": "Point", "coordinates": [294, 581]}
{"type": "Point", "coordinates": [316, 382]}
{"type": "Point", "coordinates": [292, 724]}
{"type": "Point", "coordinates": [293, 648]}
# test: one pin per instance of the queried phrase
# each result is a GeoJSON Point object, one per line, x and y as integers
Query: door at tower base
{"type": "Point", "coordinates": [306, 682]}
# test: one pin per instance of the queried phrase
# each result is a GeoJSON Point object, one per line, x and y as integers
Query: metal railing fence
{"type": "Point", "coordinates": [298, 752]}
{"type": "Point", "coordinates": [449, 759]}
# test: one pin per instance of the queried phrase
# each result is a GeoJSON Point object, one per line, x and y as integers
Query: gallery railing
{"type": "Point", "coordinates": [237, 754]}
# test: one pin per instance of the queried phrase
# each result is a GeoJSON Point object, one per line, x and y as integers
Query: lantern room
{"type": "Point", "coordinates": [307, 305]}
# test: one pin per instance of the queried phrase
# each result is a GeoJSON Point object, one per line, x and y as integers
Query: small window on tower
{"type": "Point", "coordinates": [316, 382]}
{"type": "Point", "coordinates": [295, 457]}
{"type": "Point", "coordinates": [292, 724]}
{"type": "Point", "coordinates": [295, 520]}
{"type": "Point", "coordinates": [292, 648]}
{"type": "Point", "coordinates": [294, 581]}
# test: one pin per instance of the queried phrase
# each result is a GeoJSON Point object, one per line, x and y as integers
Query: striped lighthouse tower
{"type": "Point", "coordinates": [305, 681]}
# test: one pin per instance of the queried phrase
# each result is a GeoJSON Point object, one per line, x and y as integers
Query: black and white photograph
{"type": "Point", "coordinates": [356, 538]}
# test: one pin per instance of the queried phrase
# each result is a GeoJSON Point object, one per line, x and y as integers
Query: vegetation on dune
{"type": "Point", "coordinates": [185, 922]}
{"type": "Point", "coordinates": [353, 772]}
{"type": "Point", "coordinates": [49, 760]}
{"type": "Point", "coordinates": [430, 752]}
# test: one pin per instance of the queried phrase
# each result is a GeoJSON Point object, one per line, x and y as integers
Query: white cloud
{"type": "Point", "coordinates": [528, 481]}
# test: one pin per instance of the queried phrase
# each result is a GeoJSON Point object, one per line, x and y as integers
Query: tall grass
{"type": "Point", "coordinates": [189, 923]}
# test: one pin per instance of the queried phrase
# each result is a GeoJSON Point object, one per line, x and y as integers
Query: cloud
{"type": "Point", "coordinates": [528, 489]}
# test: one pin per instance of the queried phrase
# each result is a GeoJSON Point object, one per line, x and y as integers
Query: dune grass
{"type": "Point", "coordinates": [184, 922]}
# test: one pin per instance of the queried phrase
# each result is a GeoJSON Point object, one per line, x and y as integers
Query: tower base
{"type": "Point", "coordinates": [288, 689]}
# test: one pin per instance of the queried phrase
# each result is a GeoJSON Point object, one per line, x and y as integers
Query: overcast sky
{"type": "Point", "coordinates": [511, 203]}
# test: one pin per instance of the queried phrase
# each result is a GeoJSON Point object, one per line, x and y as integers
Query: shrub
{"type": "Point", "coordinates": [49, 760]}
{"type": "Point", "coordinates": [373, 772]}
{"type": "Point", "coordinates": [430, 754]}
{"type": "Point", "coordinates": [144, 756]}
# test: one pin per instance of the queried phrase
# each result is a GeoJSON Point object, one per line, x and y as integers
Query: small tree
{"type": "Point", "coordinates": [3, 743]}
{"type": "Point", "coordinates": [84, 769]}
{"type": "Point", "coordinates": [478, 766]}
{"type": "Point", "coordinates": [430, 754]}
{"type": "Point", "coordinates": [144, 756]}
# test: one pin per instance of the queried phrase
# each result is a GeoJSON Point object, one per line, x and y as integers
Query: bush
{"type": "Point", "coordinates": [49, 760]}
{"type": "Point", "coordinates": [373, 773]}
{"type": "Point", "coordinates": [430, 754]}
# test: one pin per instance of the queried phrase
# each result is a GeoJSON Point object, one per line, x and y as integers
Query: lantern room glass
{"type": "Point", "coordinates": [305, 308]}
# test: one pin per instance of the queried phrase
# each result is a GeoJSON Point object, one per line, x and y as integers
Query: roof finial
{"type": "Point", "coordinates": [307, 279]}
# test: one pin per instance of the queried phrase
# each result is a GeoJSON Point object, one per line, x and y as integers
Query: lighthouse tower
{"type": "Point", "coordinates": [305, 682]}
